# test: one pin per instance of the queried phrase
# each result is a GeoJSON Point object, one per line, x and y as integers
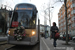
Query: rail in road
{"type": "Point", "coordinates": [25, 47]}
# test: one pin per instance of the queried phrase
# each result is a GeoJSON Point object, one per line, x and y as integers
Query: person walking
{"type": "Point", "coordinates": [54, 29]}
{"type": "Point", "coordinates": [46, 34]}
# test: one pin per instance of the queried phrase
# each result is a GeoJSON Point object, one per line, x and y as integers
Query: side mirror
{"type": "Point", "coordinates": [35, 12]}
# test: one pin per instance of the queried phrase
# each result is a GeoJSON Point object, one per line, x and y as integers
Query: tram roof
{"type": "Point", "coordinates": [25, 4]}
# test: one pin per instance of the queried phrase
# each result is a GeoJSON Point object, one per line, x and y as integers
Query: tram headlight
{"type": "Point", "coordinates": [9, 32]}
{"type": "Point", "coordinates": [33, 32]}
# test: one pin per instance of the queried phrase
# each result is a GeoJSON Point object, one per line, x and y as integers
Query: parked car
{"type": "Point", "coordinates": [61, 37]}
{"type": "Point", "coordinates": [73, 38]}
{"type": "Point", "coordinates": [69, 37]}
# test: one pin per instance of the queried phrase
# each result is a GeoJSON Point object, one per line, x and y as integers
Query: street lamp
{"type": "Point", "coordinates": [50, 20]}
{"type": "Point", "coordinates": [48, 13]}
{"type": "Point", "coordinates": [49, 17]}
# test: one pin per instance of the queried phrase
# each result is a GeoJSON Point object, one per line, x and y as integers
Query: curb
{"type": "Point", "coordinates": [3, 42]}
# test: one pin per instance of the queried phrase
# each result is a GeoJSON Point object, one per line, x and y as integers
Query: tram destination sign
{"type": "Point", "coordinates": [23, 8]}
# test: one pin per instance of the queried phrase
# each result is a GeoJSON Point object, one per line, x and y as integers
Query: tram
{"type": "Point", "coordinates": [25, 17]}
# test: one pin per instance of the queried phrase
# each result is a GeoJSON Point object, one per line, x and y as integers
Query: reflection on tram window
{"type": "Point", "coordinates": [25, 18]}
{"type": "Point", "coordinates": [15, 16]}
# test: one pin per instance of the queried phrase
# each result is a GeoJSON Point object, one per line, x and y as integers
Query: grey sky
{"type": "Point", "coordinates": [1, 2]}
{"type": "Point", "coordinates": [38, 4]}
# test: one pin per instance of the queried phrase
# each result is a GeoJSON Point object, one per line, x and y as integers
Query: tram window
{"type": "Point", "coordinates": [32, 22]}
{"type": "Point", "coordinates": [35, 12]}
{"type": "Point", "coordinates": [15, 16]}
{"type": "Point", "coordinates": [26, 18]}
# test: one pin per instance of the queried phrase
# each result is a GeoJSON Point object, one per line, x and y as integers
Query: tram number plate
{"type": "Point", "coordinates": [14, 24]}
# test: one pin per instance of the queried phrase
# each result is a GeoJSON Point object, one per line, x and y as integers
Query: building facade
{"type": "Point", "coordinates": [70, 18]}
{"type": "Point", "coordinates": [4, 15]}
{"type": "Point", "coordinates": [44, 28]}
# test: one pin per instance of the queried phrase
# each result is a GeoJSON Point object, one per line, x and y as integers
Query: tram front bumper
{"type": "Point", "coordinates": [22, 43]}
{"type": "Point", "coordinates": [25, 41]}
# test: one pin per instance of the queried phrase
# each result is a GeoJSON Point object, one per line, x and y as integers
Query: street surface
{"type": "Point", "coordinates": [3, 38]}
{"type": "Point", "coordinates": [24, 47]}
{"type": "Point", "coordinates": [6, 46]}
{"type": "Point", "coordinates": [47, 44]}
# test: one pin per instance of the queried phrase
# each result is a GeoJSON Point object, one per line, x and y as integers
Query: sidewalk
{"type": "Point", "coordinates": [3, 42]}
{"type": "Point", "coordinates": [3, 38]}
{"type": "Point", "coordinates": [60, 45]}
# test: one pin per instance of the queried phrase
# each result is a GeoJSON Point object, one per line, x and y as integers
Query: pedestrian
{"type": "Point", "coordinates": [46, 34]}
{"type": "Point", "coordinates": [54, 30]}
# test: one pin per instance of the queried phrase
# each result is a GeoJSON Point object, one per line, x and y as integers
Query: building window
{"type": "Point", "coordinates": [64, 13]}
{"type": "Point", "coordinates": [61, 15]}
{"type": "Point", "coordinates": [73, 4]}
{"type": "Point", "coordinates": [61, 12]}
{"type": "Point", "coordinates": [64, 18]}
{"type": "Point", "coordinates": [70, 0]}
{"type": "Point", "coordinates": [64, 27]}
{"type": "Point", "coordinates": [74, 8]}
{"type": "Point", "coordinates": [72, 18]}
{"type": "Point", "coordinates": [73, 24]}
{"type": "Point", "coordinates": [69, 26]}
{"type": "Point", "coordinates": [64, 23]}
{"type": "Point", "coordinates": [69, 16]}
{"type": "Point", "coordinates": [68, 10]}
{"type": "Point", "coordinates": [59, 18]}
{"type": "Point", "coordinates": [67, 0]}
{"type": "Point", "coordinates": [69, 21]}
{"type": "Point", "coordinates": [72, 12]}
{"type": "Point", "coordinates": [68, 5]}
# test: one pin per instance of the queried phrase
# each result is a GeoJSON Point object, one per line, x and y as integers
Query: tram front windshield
{"type": "Point", "coordinates": [25, 18]}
